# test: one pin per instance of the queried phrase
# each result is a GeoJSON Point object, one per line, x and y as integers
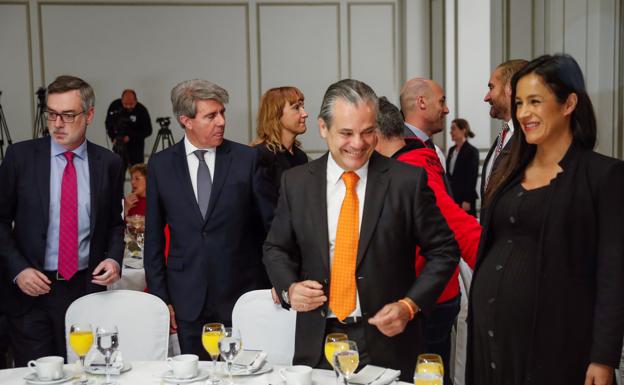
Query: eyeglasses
{"type": "Point", "coordinates": [66, 117]}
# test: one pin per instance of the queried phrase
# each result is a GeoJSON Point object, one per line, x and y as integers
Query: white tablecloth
{"type": "Point", "coordinates": [150, 372]}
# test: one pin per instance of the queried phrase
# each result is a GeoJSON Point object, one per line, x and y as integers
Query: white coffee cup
{"type": "Point", "coordinates": [183, 366]}
{"type": "Point", "coordinates": [297, 375]}
{"type": "Point", "coordinates": [47, 368]}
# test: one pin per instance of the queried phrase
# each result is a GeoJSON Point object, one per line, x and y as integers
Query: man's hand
{"type": "Point", "coordinates": [274, 296]}
{"type": "Point", "coordinates": [33, 282]}
{"type": "Point", "coordinates": [306, 295]}
{"type": "Point", "coordinates": [598, 374]}
{"type": "Point", "coordinates": [465, 206]}
{"type": "Point", "coordinates": [173, 325]}
{"type": "Point", "coordinates": [106, 273]}
{"type": "Point", "coordinates": [391, 319]}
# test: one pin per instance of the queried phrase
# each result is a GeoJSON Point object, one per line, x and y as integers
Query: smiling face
{"type": "Point", "coordinates": [206, 129]}
{"type": "Point", "coordinates": [294, 117]}
{"type": "Point", "coordinates": [69, 135]}
{"type": "Point", "coordinates": [544, 121]}
{"type": "Point", "coordinates": [352, 136]}
{"type": "Point", "coordinates": [498, 96]}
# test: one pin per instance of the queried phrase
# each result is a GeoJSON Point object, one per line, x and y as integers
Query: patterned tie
{"type": "Point", "coordinates": [342, 291]}
{"type": "Point", "coordinates": [68, 230]}
{"type": "Point", "coordinates": [501, 139]}
{"type": "Point", "coordinates": [204, 182]}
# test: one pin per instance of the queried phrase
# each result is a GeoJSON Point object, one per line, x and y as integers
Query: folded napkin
{"type": "Point", "coordinates": [375, 375]}
{"type": "Point", "coordinates": [95, 363]}
{"type": "Point", "coordinates": [248, 361]}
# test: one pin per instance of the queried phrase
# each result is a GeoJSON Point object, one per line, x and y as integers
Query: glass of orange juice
{"type": "Point", "coordinates": [429, 370]}
{"type": "Point", "coordinates": [335, 342]}
{"type": "Point", "coordinates": [81, 340]}
{"type": "Point", "coordinates": [211, 334]}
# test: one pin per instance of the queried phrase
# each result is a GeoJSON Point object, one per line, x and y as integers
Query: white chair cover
{"type": "Point", "coordinates": [265, 326]}
{"type": "Point", "coordinates": [142, 320]}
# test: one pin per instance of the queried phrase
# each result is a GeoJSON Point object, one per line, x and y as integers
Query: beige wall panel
{"type": "Point", "coordinates": [15, 71]}
{"type": "Point", "coordinates": [150, 48]}
{"type": "Point", "coordinates": [299, 45]}
{"type": "Point", "coordinates": [372, 51]}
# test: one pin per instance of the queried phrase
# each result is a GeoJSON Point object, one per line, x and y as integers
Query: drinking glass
{"type": "Point", "coordinates": [136, 230]}
{"type": "Point", "coordinates": [229, 346]}
{"type": "Point", "coordinates": [335, 342]}
{"type": "Point", "coordinates": [107, 340]}
{"type": "Point", "coordinates": [211, 335]}
{"type": "Point", "coordinates": [429, 370]}
{"type": "Point", "coordinates": [81, 340]}
{"type": "Point", "coordinates": [346, 361]}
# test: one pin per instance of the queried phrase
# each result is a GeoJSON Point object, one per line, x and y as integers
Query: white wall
{"type": "Point", "coordinates": [244, 46]}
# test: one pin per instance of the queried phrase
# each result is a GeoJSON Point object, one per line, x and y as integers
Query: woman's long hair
{"type": "Point", "coordinates": [563, 76]}
{"type": "Point", "coordinates": [269, 127]}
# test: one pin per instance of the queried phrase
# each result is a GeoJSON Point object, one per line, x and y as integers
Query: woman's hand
{"type": "Point", "coordinates": [129, 201]}
{"type": "Point", "coordinates": [599, 374]}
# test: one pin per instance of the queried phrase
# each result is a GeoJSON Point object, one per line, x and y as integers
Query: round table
{"type": "Point", "coordinates": [150, 373]}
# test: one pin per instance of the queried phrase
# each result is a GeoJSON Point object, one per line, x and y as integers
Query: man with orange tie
{"type": "Point", "coordinates": [342, 243]}
{"type": "Point", "coordinates": [61, 231]}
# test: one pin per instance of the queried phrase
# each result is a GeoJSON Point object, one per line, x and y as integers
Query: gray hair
{"type": "Point", "coordinates": [411, 90]}
{"type": "Point", "coordinates": [389, 119]}
{"type": "Point", "coordinates": [185, 95]}
{"type": "Point", "coordinates": [66, 83]}
{"type": "Point", "coordinates": [350, 90]}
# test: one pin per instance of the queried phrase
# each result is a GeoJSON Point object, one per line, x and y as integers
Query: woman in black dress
{"type": "Point", "coordinates": [547, 298]}
{"type": "Point", "coordinates": [281, 118]}
{"type": "Point", "coordinates": [462, 165]}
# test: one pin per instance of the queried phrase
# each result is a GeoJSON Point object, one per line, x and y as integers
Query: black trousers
{"type": "Point", "coordinates": [189, 333]}
{"type": "Point", "coordinates": [41, 330]}
{"type": "Point", "coordinates": [438, 332]}
{"type": "Point", "coordinates": [355, 333]}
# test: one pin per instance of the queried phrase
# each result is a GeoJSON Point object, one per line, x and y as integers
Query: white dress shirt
{"type": "Point", "coordinates": [193, 162]}
{"type": "Point", "coordinates": [336, 190]}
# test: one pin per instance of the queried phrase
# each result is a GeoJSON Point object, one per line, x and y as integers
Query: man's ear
{"type": "Point", "coordinates": [322, 128]}
{"type": "Point", "coordinates": [186, 121]}
{"type": "Point", "coordinates": [508, 89]}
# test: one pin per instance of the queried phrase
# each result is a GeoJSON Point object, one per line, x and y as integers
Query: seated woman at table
{"type": "Point", "coordinates": [134, 202]}
{"type": "Point", "coordinates": [547, 297]}
{"type": "Point", "coordinates": [281, 118]}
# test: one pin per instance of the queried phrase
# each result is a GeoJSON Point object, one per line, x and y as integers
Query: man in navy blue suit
{"type": "Point", "coordinates": [61, 231]}
{"type": "Point", "coordinates": [218, 208]}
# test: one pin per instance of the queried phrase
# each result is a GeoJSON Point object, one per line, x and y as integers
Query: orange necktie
{"type": "Point", "coordinates": [342, 290]}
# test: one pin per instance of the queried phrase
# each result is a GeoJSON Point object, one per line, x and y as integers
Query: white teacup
{"type": "Point", "coordinates": [183, 366]}
{"type": "Point", "coordinates": [297, 375]}
{"type": "Point", "coordinates": [47, 368]}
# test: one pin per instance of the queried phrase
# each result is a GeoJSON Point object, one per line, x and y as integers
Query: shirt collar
{"type": "Point", "coordinates": [511, 126]}
{"type": "Point", "coordinates": [334, 172]}
{"type": "Point", "coordinates": [57, 149]}
{"type": "Point", "coordinates": [190, 148]}
{"type": "Point", "coordinates": [418, 132]}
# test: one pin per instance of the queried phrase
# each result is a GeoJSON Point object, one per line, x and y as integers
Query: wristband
{"type": "Point", "coordinates": [411, 311]}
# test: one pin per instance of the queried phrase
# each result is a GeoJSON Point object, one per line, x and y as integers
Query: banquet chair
{"type": "Point", "coordinates": [142, 321]}
{"type": "Point", "coordinates": [265, 326]}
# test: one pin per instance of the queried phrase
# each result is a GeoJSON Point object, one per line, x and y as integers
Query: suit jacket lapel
{"type": "Point", "coordinates": [222, 166]}
{"type": "Point", "coordinates": [317, 190]}
{"type": "Point", "coordinates": [42, 157]}
{"type": "Point", "coordinates": [95, 175]}
{"type": "Point", "coordinates": [180, 166]}
{"type": "Point", "coordinates": [376, 187]}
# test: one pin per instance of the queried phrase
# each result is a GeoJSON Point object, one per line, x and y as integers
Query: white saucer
{"type": "Point", "coordinates": [265, 368]}
{"type": "Point", "coordinates": [32, 378]}
{"type": "Point", "coordinates": [169, 378]}
{"type": "Point", "coordinates": [102, 369]}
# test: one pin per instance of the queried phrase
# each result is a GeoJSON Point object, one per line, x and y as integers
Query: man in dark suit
{"type": "Point", "coordinates": [218, 208]}
{"type": "Point", "coordinates": [61, 231]}
{"type": "Point", "coordinates": [341, 250]}
{"type": "Point", "coordinates": [499, 98]}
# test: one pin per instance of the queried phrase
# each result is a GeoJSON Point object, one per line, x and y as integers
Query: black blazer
{"type": "Point", "coordinates": [399, 214]}
{"type": "Point", "coordinates": [220, 257]}
{"type": "Point", "coordinates": [579, 314]}
{"type": "Point", "coordinates": [464, 177]}
{"type": "Point", "coordinates": [24, 210]}
{"type": "Point", "coordinates": [504, 152]}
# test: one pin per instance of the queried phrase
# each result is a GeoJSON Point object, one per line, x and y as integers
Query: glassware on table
{"type": "Point", "coordinates": [229, 347]}
{"type": "Point", "coordinates": [346, 361]}
{"type": "Point", "coordinates": [136, 230]}
{"type": "Point", "coordinates": [429, 370]}
{"type": "Point", "coordinates": [334, 342]}
{"type": "Point", "coordinates": [107, 342]}
{"type": "Point", "coordinates": [81, 340]}
{"type": "Point", "coordinates": [211, 335]}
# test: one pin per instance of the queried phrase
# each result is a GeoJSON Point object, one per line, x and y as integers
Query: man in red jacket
{"type": "Point", "coordinates": [465, 227]}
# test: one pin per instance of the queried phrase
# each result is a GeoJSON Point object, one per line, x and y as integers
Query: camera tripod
{"type": "Point", "coordinates": [4, 132]}
{"type": "Point", "coordinates": [41, 128]}
{"type": "Point", "coordinates": [164, 137]}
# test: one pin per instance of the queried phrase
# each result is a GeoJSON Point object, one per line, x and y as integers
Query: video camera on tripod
{"type": "Point", "coordinates": [164, 137]}
{"type": "Point", "coordinates": [118, 127]}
